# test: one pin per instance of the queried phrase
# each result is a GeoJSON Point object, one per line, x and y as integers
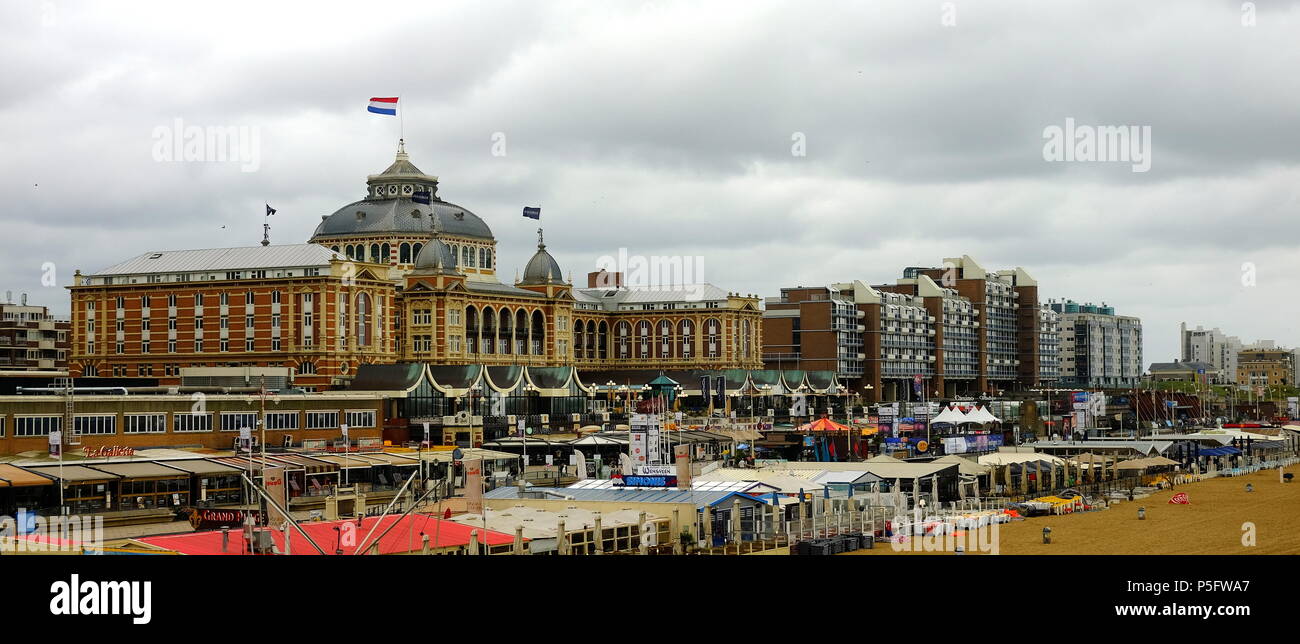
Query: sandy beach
{"type": "Point", "coordinates": [1214, 523]}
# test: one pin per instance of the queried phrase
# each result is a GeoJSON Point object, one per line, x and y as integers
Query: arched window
{"type": "Point", "coordinates": [686, 339]}
{"type": "Point", "coordinates": [489, 330]}
{"type": "Point", "coordinates": [374, 254]}
{"type": "Point", "coordinates": [538, 334]}
{"type": "Point", "coordinates": [623, 336]}
{"type": "Point", "coordinates": [505, 332]}
{"type": "Point", "coordinates": [464, 256]}
{"type": "Point", "coordinates": [521, 332]}
{"type": "Point", "coordinates": [748, 340]}
{"type": "Point", "coordinates": [602, 341]}
{"type": "Point", "coordinates": [363, 320]}
{"type": "Point", "coordinates": [643, 339]}
{"type": "Point", "coordinates": [712, 338]}
{"type": "Point", "coordinates": [415, 251]}
{"type": "Point", "coordinates": [334, 248]}
{"type": "Point", "coordinates": [579, 337]}
{"type": "Point", "coordinates": [664, 339]}
{"type": "Point", "coordinates": [385, 253]}
{"type": "Point", "coordinates": [591, 339]}
{"type": "Point", "coordinates": [404, 253]}
{"type": "Point", "coordinates": [471, 329]}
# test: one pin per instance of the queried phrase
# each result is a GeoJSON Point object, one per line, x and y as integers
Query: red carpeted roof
{"type": "Point", "coordinates": [405, 537]}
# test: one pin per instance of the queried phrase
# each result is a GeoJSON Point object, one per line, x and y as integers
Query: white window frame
{"type": "Point", "coordinates": [192, 423]}
{"type": "Point", "coordinates": [149, 423]}
{"type": "Point", "coordinates": [356, 416]}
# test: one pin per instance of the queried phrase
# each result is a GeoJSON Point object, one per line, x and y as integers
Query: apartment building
{"type": "Point", "coordinates": [31, 339]}
{"type": "Point", "coordinates": [1098, 348]}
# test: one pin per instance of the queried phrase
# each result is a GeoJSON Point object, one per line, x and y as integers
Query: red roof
{"type": "Point", "coordinates": [823, 425]}
{"type": "Point", "coordinates": [403, 538]}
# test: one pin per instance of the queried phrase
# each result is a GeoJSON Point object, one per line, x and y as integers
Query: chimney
{"type": "Point", "coordinates": [604, 279]}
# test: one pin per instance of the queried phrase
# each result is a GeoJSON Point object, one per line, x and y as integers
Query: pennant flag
{"type": "Point", "coordinates": [533, 213]}
{"type": "Point", "coordinates": [383, 106]}
{"type": "Point", "coordinates": [1180, 499]}
{"type": "Point", "coordinates": [424, 197]}
{"type": "Point", "coordinates": [269, 210]}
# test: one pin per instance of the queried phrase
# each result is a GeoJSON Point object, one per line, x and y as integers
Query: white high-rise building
{"type": "Point", "coordinates": [1213, 347]}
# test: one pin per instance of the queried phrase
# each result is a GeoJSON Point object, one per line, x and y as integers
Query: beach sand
{"type": "Point", "coordinates": [1214, 523]}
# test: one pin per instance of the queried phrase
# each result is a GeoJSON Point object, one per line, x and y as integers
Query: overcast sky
{"type": "Point", "coordinates": [673, 129]}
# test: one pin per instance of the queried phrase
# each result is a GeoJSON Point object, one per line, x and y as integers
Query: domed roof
{"type": "Point", "coordinates": [402, 215]}
{"type": "Point", "coordinates": [390, 206]}
{"type": "Point", "coordinates": [542, 268]}
{"type": "Point", "coordinates": [436, 258]}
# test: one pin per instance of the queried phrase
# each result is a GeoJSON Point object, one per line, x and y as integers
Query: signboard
{"type": "Point", "coordinates": [682, 455]}
{"type": "Point", "coordinates": [637, 448]}
{"type": "Point", "coordinates": [474, 486]}
{"type": "Point", "coordinates": [649, 481]}
{"type": "Point", "coordinates": [210, 519]}
{"type": "Point", "coordinates": [273, 481]}
{"type": "Point", "coordinates": [655, 470]}
{"type": "Point", "coordinates": [107, 451]}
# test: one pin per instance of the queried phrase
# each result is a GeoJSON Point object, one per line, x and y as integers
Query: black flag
{"type": "Point", "coordinates": [424, 197]}
{"type": "Point", "coordinates": [269, 210]}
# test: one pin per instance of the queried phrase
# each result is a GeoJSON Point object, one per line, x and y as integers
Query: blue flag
{"type": "Point", "coordinates": [533, 213]}
{"type": "Point", "coordinates": [424, 197]}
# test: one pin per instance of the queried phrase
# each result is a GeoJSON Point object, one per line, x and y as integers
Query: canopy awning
{"type": "Point", "coordinates": [13, 476]}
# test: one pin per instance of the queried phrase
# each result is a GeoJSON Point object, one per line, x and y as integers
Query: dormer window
{"type": "Point", "coordinates": [415, 213]}
{"type": "Point", "coordinates": [361, 214]}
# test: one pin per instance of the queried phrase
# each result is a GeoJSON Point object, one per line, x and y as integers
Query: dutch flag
{"type": "Point", "coordinates": [383, 106]}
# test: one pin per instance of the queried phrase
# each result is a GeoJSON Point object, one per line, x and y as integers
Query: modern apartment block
{"type": "Point", "coordinates": [1009, 322]}
{"type": "Point", "coordinates": [1098, 348]}
{"type": "Point", "coordinates": [963, 330]}
{"type": "Point", "coordinates": [31, 339]}
{"type": "Point", "coordinates": [1213, 347]}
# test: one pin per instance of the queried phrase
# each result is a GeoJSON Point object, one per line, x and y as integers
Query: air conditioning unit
{"type": "Point", "coordinates": [862, 356]}
{"type": "Point", "coordinates": [931, 358]}
{"type": "Point", "coordinates": [930, 332]}
{"type": "Point", "coordinates": [546, 419]}
{"type": "Point", "coordinates": [288, 440]}
{"type": "Point", "coordinates": [861, 328]}
{"type": "Point", "coordinates": [771, 412]}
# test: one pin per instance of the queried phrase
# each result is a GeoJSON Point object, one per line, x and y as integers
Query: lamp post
{"type": "Point", "coordinates": [529, 389]}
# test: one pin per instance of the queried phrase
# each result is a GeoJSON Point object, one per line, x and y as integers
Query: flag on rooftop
{"type": "Point", "coordinates": [383, 106]}
{"type": "Point", "coordinates": [533, 213]}
{"type": "Point", "coordinates": [269, 210]}
{"type": "Point", "coordinates": [425, 197]}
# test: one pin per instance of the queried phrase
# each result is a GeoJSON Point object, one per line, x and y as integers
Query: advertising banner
{"type": "Point", "coordinates": [474, 486]}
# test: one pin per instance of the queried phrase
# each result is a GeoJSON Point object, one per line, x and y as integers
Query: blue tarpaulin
{"type": "Point", "coordinates": [1219, 451]}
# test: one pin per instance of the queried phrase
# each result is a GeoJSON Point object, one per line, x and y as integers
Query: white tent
{"type": "Point", "coordinates": [949, 415]}
{"type": "Point", "coordinates": [982, 415]}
